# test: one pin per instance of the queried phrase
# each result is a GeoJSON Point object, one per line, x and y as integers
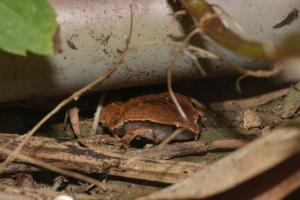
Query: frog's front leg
{"type": "Point", "coordinates": [144, 132]}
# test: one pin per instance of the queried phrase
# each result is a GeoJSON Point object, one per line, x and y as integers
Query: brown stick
{"type": "Point", "coordinates": [170, 150]}
{"type": "Point", "coordinates": [227, 144]}
{"type": "Point", "coordinates": [73, 157]}
{"type": "Point", "coordinates": [14, 168]}
{"type": "Point", "coordinates": [186, 148]}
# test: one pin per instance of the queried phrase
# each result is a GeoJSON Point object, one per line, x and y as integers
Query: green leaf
{"type": "Point", "coordinates": [27, 26]}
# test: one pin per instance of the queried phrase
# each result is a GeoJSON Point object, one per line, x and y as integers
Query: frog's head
{"type": "Point", "coordinates": [110, 115]}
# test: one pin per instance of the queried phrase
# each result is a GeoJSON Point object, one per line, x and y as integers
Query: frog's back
{"type": "Point", "coordinates": [159, 108]}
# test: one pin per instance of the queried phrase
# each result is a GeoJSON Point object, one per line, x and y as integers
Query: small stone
{"type": "Point", "coordinates": [251, 119]}
{"type": "Point", "coordinates": [63, 197]}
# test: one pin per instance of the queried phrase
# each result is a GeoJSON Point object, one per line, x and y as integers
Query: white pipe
{"type": "Point", "coordinates": [92, 35]}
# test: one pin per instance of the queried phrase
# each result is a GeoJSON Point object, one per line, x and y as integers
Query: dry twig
{"type": "Point", "coordinates": [172, 136]}
{"type": "Point", "coordinates": [186, 148]}
{"type": "Point", "coordinates": [255, 73]}
{"type": "Point", "coordinates": [72, 157]}
{"type": "Point", "coordinates": [176, 15]}
{"type": "Point", "coordinates": [54, 168]}
{"type": "Point", "coordinates": [170, 68]}
{"type": "Point", "coordinates": [74, 119]}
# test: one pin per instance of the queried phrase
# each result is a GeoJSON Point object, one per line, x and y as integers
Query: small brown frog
{"type": "Point", "coordinates": [153, 117]}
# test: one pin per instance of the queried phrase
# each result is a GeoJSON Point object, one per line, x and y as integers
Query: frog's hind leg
{"type": "Point", "coordinates": [143, 132]}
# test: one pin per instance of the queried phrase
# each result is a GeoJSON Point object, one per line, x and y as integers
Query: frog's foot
{"type": "Point", "coordinates": [143, 132]}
